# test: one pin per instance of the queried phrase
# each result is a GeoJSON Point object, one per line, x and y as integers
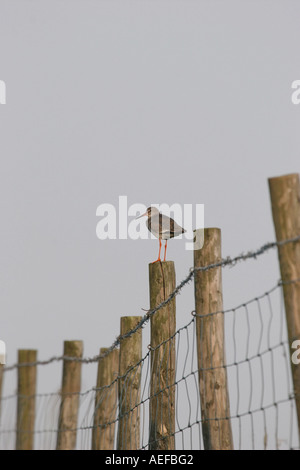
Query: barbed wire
{"type": "Point", "coordinates": [225, 262]}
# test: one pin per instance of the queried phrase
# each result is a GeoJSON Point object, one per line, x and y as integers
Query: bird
{"type": "Point", "coordinates": [162, 227]}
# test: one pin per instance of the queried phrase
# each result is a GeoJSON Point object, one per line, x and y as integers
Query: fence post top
{"type": "Point", "coordinates": [164, 263]}
{"type": "Point", "coordinates": [284, 177]}
{"type": "Point", "coordinates": [2, 352]}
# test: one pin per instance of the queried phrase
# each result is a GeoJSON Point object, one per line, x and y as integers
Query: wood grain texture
{"type": "Point", "coordinates": [106, 401]}
{"type": "Point", "coordinates": [162, 387]}
{"type": "Point", "coordinates": [71, 384]}
{"type": "Point", "coordinates": [285, 201]}
{"type": "Point", "coordinates": [26, 400]}
{"type": "Point", "coordinates": [129, 385]}
{"type": "Point", "coordinates": [214, 397]}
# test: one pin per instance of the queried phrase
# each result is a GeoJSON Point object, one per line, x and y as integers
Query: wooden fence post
{"type": "Point", "coordinates": [163, 373]}
{"type": "Point", "coordinates": [2, 362]}
{"type": "Point", "coordinates": [26, 399]}
{"type": "Point", "coordinates": [215, 410]}
{"type": "Point", "coordinates": [129, 385]}
{"type": "Point", "coordinates": [1, 386]}
{"type": "Point", "coordinates": [71, 383]}
{"type": "Point", "coordinates": [106, 400]}
{"type": "Point", "coordinates": [285, 200]}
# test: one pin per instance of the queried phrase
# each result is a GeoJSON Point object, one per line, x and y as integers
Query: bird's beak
{"type": "Point", "coordinates": [143, 215]}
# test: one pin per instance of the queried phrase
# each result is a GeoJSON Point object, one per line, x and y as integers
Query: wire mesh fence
{"type": "Point", "coordinates": [118, 412]}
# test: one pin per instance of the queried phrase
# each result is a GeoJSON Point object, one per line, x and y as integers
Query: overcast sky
{"type": "Point", "coordinates": [161, 101]}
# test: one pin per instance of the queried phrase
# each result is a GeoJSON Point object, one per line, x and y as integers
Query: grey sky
{"type": "Point", "coordinates": [162, 101]}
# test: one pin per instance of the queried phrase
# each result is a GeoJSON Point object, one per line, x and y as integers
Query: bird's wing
{"type": "Point", "coordinates": [176, 228]}
{"type": "Point", "coordinates": [169, 225]}
{"type": "Point", "coordinates": [153, 224]}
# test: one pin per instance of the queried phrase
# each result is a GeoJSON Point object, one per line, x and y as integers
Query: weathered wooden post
{"type": "Point", "coordinates": [26, 399]}
{"type": "Point", "coordinates": [106, 400]}
{"type": "Point", "coordinates": [1, 385]}
{"type": "Point", "coordinates": [129, 385]}
{"type": "Point", "coordinates": [163, 373]}
{"type": "Point", "coordinates": [71, 383]}
{"type": "Point", "coordinates": [285, 200]}
{"type": "Point", "coordinates": [2, 362]}
{"type": "Point", "coordinates": [214, 396]}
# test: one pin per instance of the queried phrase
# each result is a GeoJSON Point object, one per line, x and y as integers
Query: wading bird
{"type": "Point", "coordinates": [162, 227]}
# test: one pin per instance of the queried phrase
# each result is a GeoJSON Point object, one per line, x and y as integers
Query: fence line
{"type": "Point", "coordinates": [224, 380]}
{"type": "Point", "coordinates": [187, 380]}
{"type": "Point", "coordinates": [228, 261]}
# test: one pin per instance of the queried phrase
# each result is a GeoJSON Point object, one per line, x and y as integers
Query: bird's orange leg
{"type": "Point", "coordinates": [165, 250]}
{"type": "Point", "coordinates": [158, 259]}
